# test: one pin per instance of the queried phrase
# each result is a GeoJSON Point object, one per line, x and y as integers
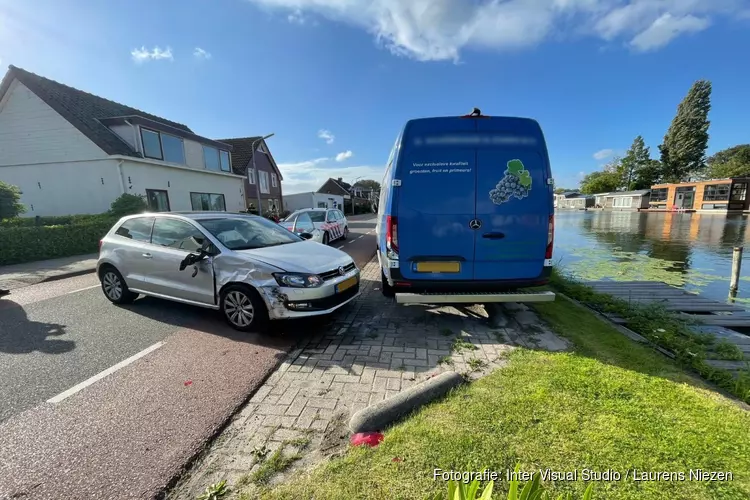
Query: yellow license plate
{"type": "Point", "coordinates": [346, 284]}
{"type": "Point", "coordinates": [438, 267]}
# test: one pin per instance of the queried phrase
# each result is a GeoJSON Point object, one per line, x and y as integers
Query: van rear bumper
{"type": "Point", "coordinates": [402, 285]}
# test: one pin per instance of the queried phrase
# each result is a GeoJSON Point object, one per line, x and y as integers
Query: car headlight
{"type": "Point", "coordinates": [297, 280]}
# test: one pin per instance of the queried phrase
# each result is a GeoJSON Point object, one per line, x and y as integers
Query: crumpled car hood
{"type": "Point", "coordinates": [302, 257]}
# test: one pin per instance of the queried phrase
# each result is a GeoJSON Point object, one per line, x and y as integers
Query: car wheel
{"type": "Point", "coordinates": [387, 289]}
{"type": "Point", "coordinates": [326, 238]}
{"type": "Point", "coordinates": [114, 286]}
{"type": "Point", "coordinates": [243, 308]}
{"type": "Point", "coordinates": [346, 233]}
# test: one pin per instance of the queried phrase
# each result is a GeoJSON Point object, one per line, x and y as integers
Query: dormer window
{"type": "Point", "coordinates": [216, 159]}
{"type": "Point", "coordinates": [161, 146]}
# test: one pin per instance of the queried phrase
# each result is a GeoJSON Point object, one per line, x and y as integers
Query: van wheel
{"type": "Point", "coordinates": [114, 286]}
{"type": "Point", "coordinates": [346, 233]}
{"type": "Point", "coordinates": [243, 308]}
{"type": "Point", "coordinates": [387, 289]}
{"type": "Point", "coordinates": [326, 238]}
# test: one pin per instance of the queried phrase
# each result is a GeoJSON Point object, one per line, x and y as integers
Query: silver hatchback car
{"type": "Point", "coordinates": [246, 266]}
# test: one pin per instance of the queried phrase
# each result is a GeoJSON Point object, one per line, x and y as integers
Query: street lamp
{"type": "Point", "coordinates": [352, 193]}
{"type": "Point", "coordinates": [255, 170]}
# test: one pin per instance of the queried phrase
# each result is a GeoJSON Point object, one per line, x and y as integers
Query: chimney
{"type": "Point", "coordinates": [340, 179]}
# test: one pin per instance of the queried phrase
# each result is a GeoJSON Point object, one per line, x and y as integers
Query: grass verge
{"type": "Point", "coordinates": [669, 331]}
{"type": "Point", "coordinates": [610, 404]}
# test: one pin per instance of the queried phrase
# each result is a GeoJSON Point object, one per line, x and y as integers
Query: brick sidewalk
{"type": "Point", "coordinates": [374, 349]}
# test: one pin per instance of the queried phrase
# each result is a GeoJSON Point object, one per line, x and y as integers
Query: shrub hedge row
{"type": "Point", "coordinates": [27, 243]}
{"type": "Point", "coordinates": [61, 220]}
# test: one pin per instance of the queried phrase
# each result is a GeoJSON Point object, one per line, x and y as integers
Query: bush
{"type": "Point", "coordinates": [10, 201]}
{"type": "Point", "coordinates": [26, 244]}
{"type": "Point", "coordinates": [59, 220]}
{"type": "Point", "coordinates": [128, 204]}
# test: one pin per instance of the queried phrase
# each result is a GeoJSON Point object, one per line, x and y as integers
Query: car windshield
{"type": "Point", "coordinates": [317, 216]}
{"type": "Point", "coordinates": [246, 233]}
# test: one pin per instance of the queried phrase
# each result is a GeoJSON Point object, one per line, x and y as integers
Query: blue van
{"type": "Point", "coordinates": [466, 211]}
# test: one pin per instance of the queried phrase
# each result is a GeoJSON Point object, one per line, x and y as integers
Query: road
{"type": "Point", "coordinates": [100, 401]}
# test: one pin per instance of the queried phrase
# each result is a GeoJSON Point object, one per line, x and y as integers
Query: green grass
{"type": "Point", "coordinates": [607, 404]}
{"type": "Point", "coordinates": [460, 344]}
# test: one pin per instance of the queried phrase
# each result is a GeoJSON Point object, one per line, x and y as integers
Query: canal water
{"type": "Point", "coordinates": [688, 250]}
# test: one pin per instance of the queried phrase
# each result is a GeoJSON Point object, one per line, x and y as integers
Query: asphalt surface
{"type": "Point", "coordinates": [130, 432]}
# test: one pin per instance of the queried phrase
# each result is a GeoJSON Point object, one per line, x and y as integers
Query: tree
{"type": "Point", "coordinates": [683, 152]}
{"type": "Point", "coordinates": [368, 184]}
{"type": "Point", "coordinates": [600, 182]}
{"type": "Point", "coordinates": [636, 163]}
{"type": "Point", "coordinates": [730, 162]}
{"type": "Point", "coordinates": [128, 204]}
{"type": "Point", "coordinates": [10, 201]}
{"type": "Point", "coordinates": [647, 175]}
{"type": "Point", "coordinates": [563, 190]}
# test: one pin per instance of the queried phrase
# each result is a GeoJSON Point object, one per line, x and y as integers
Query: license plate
{"type": "Point", "coordinates": [438, 267]}
{"type": "Point", "coordinates": [346, 284]}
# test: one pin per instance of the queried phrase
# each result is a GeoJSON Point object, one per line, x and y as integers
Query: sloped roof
{"type": "Point", "coordinates": [639, 192]}
{"type": "Point", "coordinates": [83, 110]}
{"type": "Point", "coordinates": [242, 154]}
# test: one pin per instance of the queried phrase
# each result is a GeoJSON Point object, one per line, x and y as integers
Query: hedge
{"type": "Point", "coordinates": [24, 243]}
{"type": "Point", "coordinates": [60, 220]}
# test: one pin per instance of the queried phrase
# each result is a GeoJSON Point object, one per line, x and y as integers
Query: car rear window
{"type": "Point", "coordinates": [318, 216]}
{"type": "Point", "coordinates": [138, 229]}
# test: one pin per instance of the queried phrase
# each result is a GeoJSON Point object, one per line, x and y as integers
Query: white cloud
{"type": "Point", "coordinates": [143, 54]}
{"type": "Point", "coordinates": [345, 155]}
{"type": "Point", "coordinates": [603, 153]}
{"type": "Point", "coordinates": [306, 176]}
{"type": "Point", "coordinates": [201, 53]}
{"type": "Point", "coordinates": [326, 135]}
{"type": "Point", "coordinates": [665, 29]}
{"type": "Point", "coordinates": [296, 17]}
{"type": "Point", "coordinates": [441, 29]}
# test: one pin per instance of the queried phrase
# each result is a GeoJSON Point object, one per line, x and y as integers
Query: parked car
{"type": "Point", "coordinates": [247, 267]}
{"type": "Point", "coordinates": [330, 222]}
{"type": "Point", "coordinates": [466, 211]}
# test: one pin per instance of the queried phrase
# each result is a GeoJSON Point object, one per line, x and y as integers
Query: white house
{"type": "Point", "coordinates": [71, 152]}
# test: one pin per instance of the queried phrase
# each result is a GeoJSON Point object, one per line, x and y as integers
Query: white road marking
{"type": "Point", "coordinates": [101, 375]}
{"type": "Point", "coordinates": [361, 237]}
{"type": "Point", "coordinates": [82, 289]}
{"type": "Point", "coordinates": [339, 248]}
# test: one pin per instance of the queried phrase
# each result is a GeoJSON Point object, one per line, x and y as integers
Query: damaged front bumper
{"type": "Point", "coordinates": [290, 303]}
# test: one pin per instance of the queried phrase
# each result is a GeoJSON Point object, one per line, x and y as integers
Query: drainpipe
{"type": "Point", "coordinates": [121, 176]}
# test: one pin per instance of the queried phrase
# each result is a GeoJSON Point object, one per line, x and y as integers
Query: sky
{"type": "Point", "coordinates": [336, 80]}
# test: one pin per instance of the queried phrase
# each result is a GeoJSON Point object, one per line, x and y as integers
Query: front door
{"type": "Point", "coordinates": [513, 205]}
{"type": "Point", "coordinates": [172, 240]}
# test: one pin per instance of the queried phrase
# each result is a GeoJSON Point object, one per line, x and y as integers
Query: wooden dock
{"type": "Point", "coordinates": [691, 305]}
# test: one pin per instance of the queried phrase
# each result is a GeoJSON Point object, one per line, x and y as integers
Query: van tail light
{"type": "Point", "coordinates": [550, 237]}
{"type": "Point", "coordinates": [100, 245]}
{"type": "Point", "coordinates": [391, 234]}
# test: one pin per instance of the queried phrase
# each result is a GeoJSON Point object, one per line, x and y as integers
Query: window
{"type": "Point", "coordinates": [274, 181]}
{"type": "Point", "coordinates": [317, 215]}
{"type": "Point", "coordinates": [263, 178]}
{"type": "Point", "coordinates": [161, 146]}
{"type": "Point", "coordinates": [225, 162]}
{"type": "Point", "coordinates": [245, 233]}
{"type": "Point", "coordinates": [714, 206]}
{"type": "Point", "coordinates": [331, 217]}
{"type": "Point", "coordinates": [339, 215]}
{"type": "Point", "coordinates": [273, 204]}
{"type": "Point", "coordinates": [739, 191]}
{"type": "Point", "coordinates": [208, 201]}
{"type": "Point", "coordinates": [251, 175]}
{"type": "Point", "coordinates": [177, 234]}
{"type": "Point", "coordinates": [138, 229]}
{"type": "Point", "coordinates": [304, 224]}
{"type": "Point", "coordinates": [623, 202]}
{"type": "Point", "coordinates": [716, 192]}
{"type": "Point", "coordinates": [151, 144]}
{"type": "Point", "coordinates": [158, 200]}
{"type": "Point", "coordinates": [211, 158]}
{"type": "Point", "coordinates": [659, 195]}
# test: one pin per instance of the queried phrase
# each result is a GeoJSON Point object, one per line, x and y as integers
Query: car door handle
{"type": "Point", "coordinates": [147, 255]}
{"type": "Point", "coordinates": [494, 236]}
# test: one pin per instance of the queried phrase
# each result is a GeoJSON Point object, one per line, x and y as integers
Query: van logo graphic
{"type": "Point", "coordinates": [516, 183]}
{"type": "Point", "coordinates": [475, 224]}
{"type": "Point", "coordinates": [342, 271]}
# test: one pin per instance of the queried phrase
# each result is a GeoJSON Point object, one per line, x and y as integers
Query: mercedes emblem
{"type": "Point", "coordinates": [475, 224]}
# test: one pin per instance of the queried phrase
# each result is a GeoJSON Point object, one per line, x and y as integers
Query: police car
{"type": "Point", "coordinates": [329, 224]}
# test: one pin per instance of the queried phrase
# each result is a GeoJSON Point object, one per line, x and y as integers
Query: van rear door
{"type": "Point", "coordinates": [434, 203]}
{"type": "Point", "coordinates": [513, 200]}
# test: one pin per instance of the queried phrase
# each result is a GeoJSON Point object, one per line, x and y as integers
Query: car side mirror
{"type": "Point", "coordinates": [191, 259]}
{"type": "Point", "coordinates": [305, 236]}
